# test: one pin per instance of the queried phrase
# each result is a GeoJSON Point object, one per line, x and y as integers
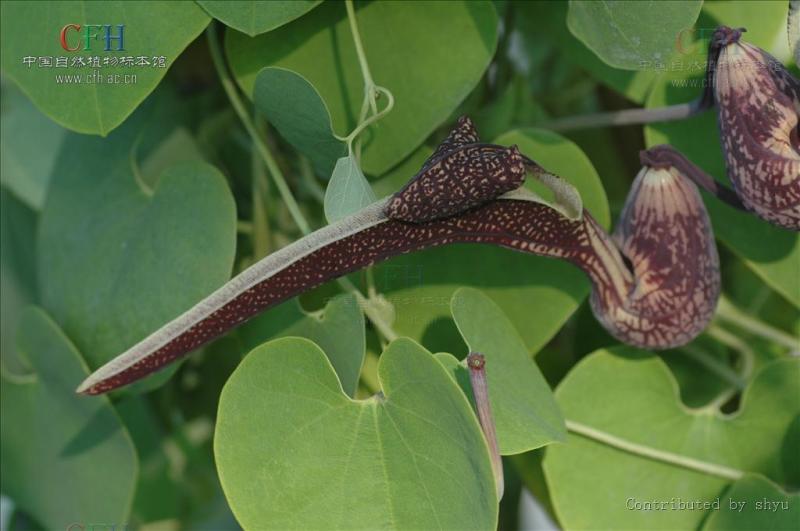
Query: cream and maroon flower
{"type": "Point", "coordinates": [758, 103]}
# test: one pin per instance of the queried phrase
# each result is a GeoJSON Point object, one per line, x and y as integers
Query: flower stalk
{"type": "Point", "coordinates": [480, 392]}
{"type": "Point", "coordinates": [670, 113]}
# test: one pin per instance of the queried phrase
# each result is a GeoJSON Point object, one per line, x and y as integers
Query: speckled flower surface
{"type": "Point", "coordinates": [758, 104]}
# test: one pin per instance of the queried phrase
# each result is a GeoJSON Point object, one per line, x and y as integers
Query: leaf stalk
{"type": "Point", "coordinates": [727, 312]}
{"type": "Point", "coordinates": [697, 465]}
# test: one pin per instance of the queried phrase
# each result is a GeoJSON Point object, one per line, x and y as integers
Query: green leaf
{"type": "Point", "coordinates": [755, 503]}
{"type": "Point", "coordinates": [545, 23]}
{"type": "Point", "coordinates": [410, 48]}
{"type": "Point", "coordinates": [525, 413]}
{"type": "Point", "coordinates": [117, 259]}
{"type": "Point", "coordinates": [633, 396]}
{"type": "Point", "coordinates": [254, 16]}
{"type": "Point", "coordinates": [773, 253]}
{"type": "Point", "coordinates": [292, 450]}
{"type": "Point", "coordinates": [348, 190]}
{"type": "Point", "coordinates": [537, 294]}
{"type": "Point", "coordinates": [292, 104]}
{"type": "Point", "coordinates": [338, 329]}
{"type": "Point", "coordinates": [630, 34]}
{"type": "Point", "coordinates": [29, 141]}
{"type": "Point", "coordinates": [152, 29]}
{"type": "Point", "coordinates": [17, 274]}
{"type": "Point", "coordinates": [65, 458]}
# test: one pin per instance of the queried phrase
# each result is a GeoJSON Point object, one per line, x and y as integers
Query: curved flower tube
{"type": "Point", "coordinates": [758, 103]}
{"type": "Point", "coordinates": [663, 296]}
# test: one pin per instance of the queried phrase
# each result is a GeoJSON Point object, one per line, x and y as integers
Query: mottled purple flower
{"type": "Point", "coordinates": [655, 282]}
{"type": "Point", "coordinates": [665, 234]}
{"type": "Point", "coordinates": [758, 103]}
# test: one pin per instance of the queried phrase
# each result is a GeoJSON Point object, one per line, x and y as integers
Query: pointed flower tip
{"type": "Point", "coordinates": [476, 361]}
{"type": "Point", "coordinates": [464, 120]}
{"type": "Point", "coordinates": [84, 388]}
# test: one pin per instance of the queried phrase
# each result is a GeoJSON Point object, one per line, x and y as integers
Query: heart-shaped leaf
{"type": "Point", "coordinates": [292, 104]}
{"type": "Point", "coordinates": [59, 448]}
{"type": "Point", "coordinates": [116, 260]}
{"type": "Point", "coordinates": [409, 47]}
{"type": "Point", "coordinates": [68, 95]}
{"type": "Point", "coordinates": [338, 329]}
{"type": "Point", "coordinates": [632, 396]}
{"type": "Point", "coordinates": [525, 413]}
{"type": "Point", "coordinates": [257, 16]}
{"type": "Point", "coordinates": [536, 294]}
{"type": "Point", "coordinates": [292, 450]}
{"type": "Point", "coordinates": [773, 253]}
{"type": "Point", "coordinates": [348, 190]}
{"type": "Point", "coordinates": [628, 34]}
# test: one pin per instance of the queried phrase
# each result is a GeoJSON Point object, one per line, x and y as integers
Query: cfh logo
{"type": "Point", "coordinates": [87, 35]}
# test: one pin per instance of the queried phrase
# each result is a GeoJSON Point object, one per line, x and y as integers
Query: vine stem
{"type": "Point", "coordinates": [726, 311]}
{"type": "Point", "coordinates": [384, 328]}
{"type": "Point", "coordinates": [715, 366]}
{"type": "Point", "coordinates": [369, 83]}
{"type": "Point", "coordinates": [748, 361]}
{"type": "Point", "coordinates": [260, 236]}
{"type": "Point", "coordinates": [735, 343]}
{"type": "Point", "coordinates": [277, 175]}
{"type": "Point", "coordinates": [263, 150]}
{"type": "Point", "coordinates": [628, 116]}
{"type": "Point", "coordinates": [690, 463]}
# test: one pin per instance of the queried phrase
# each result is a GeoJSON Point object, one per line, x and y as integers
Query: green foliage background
{"type": "Point", "coordinates": [124, 205]}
